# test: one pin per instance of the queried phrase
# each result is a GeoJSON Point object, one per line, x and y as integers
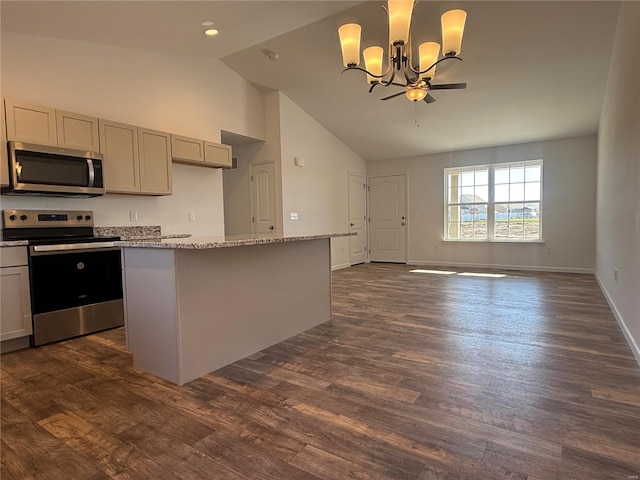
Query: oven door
{"type": "Point", "coordinates": [75, 290]}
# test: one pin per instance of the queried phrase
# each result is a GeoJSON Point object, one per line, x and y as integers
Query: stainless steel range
{"type": "Point", "coordinates": [76, 278]}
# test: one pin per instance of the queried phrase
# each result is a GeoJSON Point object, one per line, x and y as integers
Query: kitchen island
{"type": "Point", "coordinates": [193, 305]}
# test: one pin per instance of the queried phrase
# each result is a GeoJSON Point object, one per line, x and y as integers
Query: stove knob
{"type": "Point", "coordinates": [79, 217]}
{"type": "Point", "coordinates": [23, 217]}
{"type": "Point", "coordinates": [87, 217]}
{"type": "Point", "coordinates": [12, 217]}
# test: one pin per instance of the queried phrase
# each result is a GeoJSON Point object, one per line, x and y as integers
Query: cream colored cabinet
{"type": "Point", "coordinates": [15, 314]}
{"type": "Point", "coordinates": [194, 151]}
{"type": "Point", "coordinates": [46, 126]}
{"type": "Point", "coordinates": [155, 162]}
{"type": "Point", "coordinates": [31, 123]}
{"type": "Point", "coordinates": [186, 149]}
{"type": "Point", "coordinates": [136, 160]}
{"type": "Point", "coordinates": [217, 154]}
{"type": "Point", "coordinates": [78, 132]}
{"type": "Point", "coordinates": [4, 157]}
{"type": "Point", "coordinates": [121, 165]}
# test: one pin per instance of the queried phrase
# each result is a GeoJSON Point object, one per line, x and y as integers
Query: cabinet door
{"type": "Point", "coordinates": [15, 314]}
{"type": "Point", "coordinates": [217, 154]}
{"type": "Point", "coordinates": [31, 123]}
{"type": "Point", "coordinates": [79, 132]}
{"type": "Point", "coordinates": [187, 149]}
{"type": "Point", "coordinates": [155, 162]}
{"type": "Point", "coordinates": [4, 157]}
{"type": "Point", "coordinates": [119, 145]}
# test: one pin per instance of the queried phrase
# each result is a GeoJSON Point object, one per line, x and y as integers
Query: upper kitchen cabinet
{"type": "Point", "coordinates": [186, 149]}
{"type": "Point", "coordinates": [4, 160]}
{"type": "Point", "coordinates": [31, 123]}
{"type": "Point", "coordinates": [194, 151]}
{"type": "Point", "coordinates": [217, 154]}
{"type": "Point", "coordinates": [47, 126]}
{"type": "Point", "coordinates": [136, 160]}
{"type": "Point", "coordinates": [155, 162]}
{"type": "Point", "coordinates": [79, 132]}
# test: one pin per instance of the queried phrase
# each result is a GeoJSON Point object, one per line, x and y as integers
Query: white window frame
{"type": "Point", "coordinates": [491, 203]}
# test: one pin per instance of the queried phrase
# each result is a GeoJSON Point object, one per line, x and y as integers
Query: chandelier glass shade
{"type": "Point", "coordinates": [402, 67]}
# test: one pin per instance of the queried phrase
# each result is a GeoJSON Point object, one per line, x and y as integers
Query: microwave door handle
{"type": "Point", "coordinates": [18, 171]}
{"type": "Point", "coordinates": [92, 173]}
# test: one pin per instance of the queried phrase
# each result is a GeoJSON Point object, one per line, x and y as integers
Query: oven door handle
{"type": "Point", "coordinates": [72, 247]}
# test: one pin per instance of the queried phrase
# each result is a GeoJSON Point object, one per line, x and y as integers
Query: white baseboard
{"type": "Point", "coordinates": [623, 326]}
{"type": "Point", "coordinates": [338, 267]}
{"type": "Point", "coordinates": [494, 266]}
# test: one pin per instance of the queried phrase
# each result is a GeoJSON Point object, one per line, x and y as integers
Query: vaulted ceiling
{"type": "Point", "coordinates": [535, 70]}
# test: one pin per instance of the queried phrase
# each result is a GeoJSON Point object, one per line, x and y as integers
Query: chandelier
{"type": "Point", "coordinates": [413, 73]}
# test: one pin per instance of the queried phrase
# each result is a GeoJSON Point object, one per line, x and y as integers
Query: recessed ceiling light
{"type": "Point", "coordinates": [207, 24]}
{"type": "Point", "coordinates": [211, 32]}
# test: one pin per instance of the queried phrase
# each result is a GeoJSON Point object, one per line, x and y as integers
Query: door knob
{"type": "Point", "coordinates": [352, 224]}
{"type": "Point", "coordinates": [402, 223]}
{"type": "Point", "coordinates": [270, 227]}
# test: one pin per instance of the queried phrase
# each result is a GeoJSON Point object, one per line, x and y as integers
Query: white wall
{"type": "Point", "coordinates": [178, 94]}
{"type": "Point", "coordinates": [567, 212]}
{"type": "Point", "coordinates": [618, 211]}
{"type": "Point", "coordinates": [318, 192]}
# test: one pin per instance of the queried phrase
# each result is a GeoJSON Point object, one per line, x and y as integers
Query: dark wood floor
{"type": "Point", "coordinates": [418, 376]}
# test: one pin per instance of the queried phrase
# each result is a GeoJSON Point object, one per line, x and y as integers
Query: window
{"type": "Point", "coordinates": [499, 202]}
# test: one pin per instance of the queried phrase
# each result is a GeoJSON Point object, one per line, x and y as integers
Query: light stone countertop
{"type": "Point", "coordinates": [204, 242]}
{"type": "Point", "coordinates": [13, 243]}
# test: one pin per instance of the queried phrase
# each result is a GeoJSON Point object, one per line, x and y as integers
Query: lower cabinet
{"type": "Point", "coordinates": [15, 314]}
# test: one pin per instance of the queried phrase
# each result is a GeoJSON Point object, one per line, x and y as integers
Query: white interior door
{"type": "Point", "coordinates": [357, 217]}
{"type": "Point", "coordinates": [387, 213]}
{"type": "Point", "coordinates": [263, 208]}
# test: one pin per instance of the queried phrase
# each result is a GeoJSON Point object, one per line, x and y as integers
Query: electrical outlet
{"type": "Point", "coordinates": [133, 216]}
{"type": "Point", "coordinates": [549, 249]}
{"type": "Point", "coordinates": [192, 216]}
{"type": "Point", "coordinates": [615, 274]}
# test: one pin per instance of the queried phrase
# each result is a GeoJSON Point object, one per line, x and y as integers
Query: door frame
{"type": "Point", "coordinates": [365, 233]}
{"type": "Point", "coordinates": [406, 207]}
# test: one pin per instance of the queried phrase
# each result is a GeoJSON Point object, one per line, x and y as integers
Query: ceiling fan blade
{"type": "Point", "coordinates": [429, 99]}
{"type": "Point", "coordinates": [393, 96]}
{"type": "Point", "coordinates": [448, 86]}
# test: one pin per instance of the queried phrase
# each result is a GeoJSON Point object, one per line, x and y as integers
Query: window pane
{"type": "Point", "coordinates": [480, 230]}
{"type": "Point", "coordinates": [467, 195]}
{"type": "Point", "coordinates": [482, 177]}
{"type": "Point", "coordinates": [532, 191]}
{"type": "Point", "coordinates": [532, 228]}
{"type": "Point", "coordinates": [532, 173]}
{"type": "Point", "coordinates": [516, 230]}
{"type": "Point", "coordinates": [482, 194]}
{"type": "Point", "coordinates": [502, 175]}
{"type": "Point", "coordinates": [501, 222]}
{"type": "Point", "coordinates": [517, 174]}
{"type": "Point", "coordinates": [516, 192]}
{"type": "Point", "coordinates": [467, 178]}
{"type": "Point", "coordinates": [502, 193]}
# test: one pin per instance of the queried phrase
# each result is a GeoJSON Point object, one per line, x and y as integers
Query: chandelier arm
{"type": "Point", "coordinates": [390, 81]}
{"type": "Point", "coordinates": [367, 71]}
{"type": "Point", "coordinates": [436, 63]}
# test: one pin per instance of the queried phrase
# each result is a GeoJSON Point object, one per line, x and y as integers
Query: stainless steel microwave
{"type": "Point", "coordinates": [52, 171]}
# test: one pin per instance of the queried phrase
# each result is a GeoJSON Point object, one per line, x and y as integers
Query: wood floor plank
{"type": "Point", "coordinates": [417, 377]}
